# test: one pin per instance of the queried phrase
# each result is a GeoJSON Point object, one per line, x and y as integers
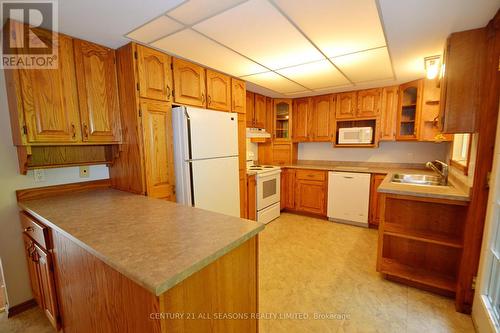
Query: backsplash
{"type": "Point", "coordinates": [390, 152]}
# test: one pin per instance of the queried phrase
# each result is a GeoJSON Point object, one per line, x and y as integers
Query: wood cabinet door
{"type": "Point", "coordinates": [158, 149]}
{"type": "Point", "coordinates": [238, 95]}
{"type": "Point", "coordinates": [346, 105]}
{"type": "Point", "coordinates": [368, 102]}
{"type": "Point", "coordinates": [375, 211]}
{"type": "Point", "coordinates": [408, 114]}
{"type": "Point", "coordinates": [50, 307]}
{"type": "Point", "coordinates": [251, 198]}
{"type": "Point", "coordinates": [155, 74]}
{"type": "Point", "coordinates": [287, 189]}
{"type": "Point", "coordinates": [97, 92]}
{"type": "Point", "coordinates": [250, 108]}
{"type": "Point", "coordinates": [50, 98]}
{"type": "Point", "coordinates": [284, 153]}
{"type": "Point", "coordinates": [310, 196]}
{"type": "Point", "coordinates": [388, 114]}
{"type": "Point", "coordinates": [218, 91]}
{"type": "Point", "coordinates": [301, 112]}
{"type": "Point", "coordinates": [33, 270]}
{"type": "Point", "coordinates": [323, 118]}
{"type": "Point", "coordinates": [270, 116]}
{"type": "Point", "coordinates": [260, 111]}
{"type": "Point", "coordinates": [189, 83]}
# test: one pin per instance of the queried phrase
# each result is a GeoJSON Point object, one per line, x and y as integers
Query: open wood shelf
{"type": "Point", "coordinates": [392, 267]}
{"type": "Point", "coordinates": [396, 230]}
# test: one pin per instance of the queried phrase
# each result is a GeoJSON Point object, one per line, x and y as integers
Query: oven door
{"type": "Point", "coordinates": [268, 189]}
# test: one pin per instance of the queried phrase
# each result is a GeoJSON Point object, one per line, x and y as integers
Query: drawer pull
{"type": "Point", "coordinates": [28, 229]}
{"type": "Point", "coordinates": [348, 177]}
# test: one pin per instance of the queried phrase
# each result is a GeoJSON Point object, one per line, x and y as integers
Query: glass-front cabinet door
{"type": "Point", "coordinates": [282, 119]}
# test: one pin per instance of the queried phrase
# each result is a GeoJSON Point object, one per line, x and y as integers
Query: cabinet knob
{"type": "Point", "coordinates": [28, 229]}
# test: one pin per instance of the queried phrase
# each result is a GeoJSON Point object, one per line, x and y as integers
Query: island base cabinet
{"type": "Point", "coordinates": [94, 297]}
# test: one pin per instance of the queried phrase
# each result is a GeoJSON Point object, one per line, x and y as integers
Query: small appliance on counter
{"type": "Point", "coordinates": [355, 135]}
{"type": "Point", "coordinates": [268, 191]}
{"type": "Point", "coordinates": [206, 159]}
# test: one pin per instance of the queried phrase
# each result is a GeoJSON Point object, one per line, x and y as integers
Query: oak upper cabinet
{"type": "Point", "coordinates": [218, 91]}
{"type": "Point", "coordinates": [375, 211]}
{"type": "Point", "coordinates": [260, 111]}
{"type": "Point", "coordinates": [44, 102]}
{"type": "Point", "coordinates": [158, 149]}
{"type": "Point", "coordinates": [429, 114]}
{"type": "Point", "coordinates": [98, 92]}
{"type": "Point", "coordinates": [461, 84]}
{"type": "Point", "coordinates": [388, 114]}
{"type": "Point", "coordinates": [311, 191]}
{"type": "Point", "coordinates": [189, 83]}
{"type": "Point", "coordinates": [409, 105]}
{"type": "Point", "coordinates": [323, 118]}
{"type": "Point", "coordinates": [300, 119]}
{"type": "Point", "coordinates": [270, 116]}
{"type": "Point", "coordinates": [238, 95]}
{"type": "Point", "coordinates": [287, 189]}
{"type": "Point", "coordinates": [282, 116]}
{"type": "Point", "coordinates": [346, 105]}
{"type": "Point", "coordinates": [154, 74]}
{"type": "Point", "coordinates": [250, 109]}
{"type": "Point", "coordinates": [368, 102]}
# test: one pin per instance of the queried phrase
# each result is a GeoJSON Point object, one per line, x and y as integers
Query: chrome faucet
{"type": "Point", "coordinates": [442, 171]}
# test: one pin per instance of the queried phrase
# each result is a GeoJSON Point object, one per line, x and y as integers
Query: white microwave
{"type": "Point", "coordinates": [354, 135]}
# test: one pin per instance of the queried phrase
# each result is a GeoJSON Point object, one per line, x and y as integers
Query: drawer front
{"type": "Point", "coordinates": [311, 175]}
{"type": "Point", "coordinates": [35, 230]}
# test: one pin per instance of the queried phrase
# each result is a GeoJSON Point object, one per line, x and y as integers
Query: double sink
{"type": "Point", "coordinates": [425, 180]}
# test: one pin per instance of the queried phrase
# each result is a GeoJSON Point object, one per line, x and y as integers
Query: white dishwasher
{"type": "Point", "coordinates": [348, 197]}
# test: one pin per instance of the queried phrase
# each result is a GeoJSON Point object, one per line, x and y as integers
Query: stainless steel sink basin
{"type": "Point", "coordinates": [426, 180]}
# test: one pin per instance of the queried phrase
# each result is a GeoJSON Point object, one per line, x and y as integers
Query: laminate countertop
{"type": "Point", "coordinates": [153, 242]}
{"type": "Point", "coordinates": [454, 191]}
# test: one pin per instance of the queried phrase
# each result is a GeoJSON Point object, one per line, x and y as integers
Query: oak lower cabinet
{"type": "Point", "coordinates": [145, 160]}
{"type": "Point", "coordinates": [154, 74]}
{"type": "Point", "coordinates": [41, 271]}
{"type": "Point", "coordinates": [238, 95]}
{"type": "Point", "coordinates": [304, 191]}
{"type": "Point", "coordinates": [98, 92]}
{"type": "Point", "coordinates": [375, 211]}
{"type": "Point", "coordinates": [218, 91]}
{"type": "Point", "coordinates": [189, 83]}
{"type": "Point", "coordinates": [251, 197]}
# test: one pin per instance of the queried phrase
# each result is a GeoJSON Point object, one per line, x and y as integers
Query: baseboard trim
{"type": "Point", "coordinates": [19, 308]}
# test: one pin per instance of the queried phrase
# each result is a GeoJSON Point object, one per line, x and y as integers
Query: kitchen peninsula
{"type": "Point", "coordinates": [126, 262]}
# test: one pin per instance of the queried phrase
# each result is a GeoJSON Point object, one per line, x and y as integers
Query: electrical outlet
{"type": "Point", "coordinates": [84, 172]}
{"type": "Point", "coordinates": [39, 175]}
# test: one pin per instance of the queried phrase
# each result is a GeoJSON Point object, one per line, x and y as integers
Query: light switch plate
{"type": "Point", "coordinates": [84, 172]}
{"type": "Point", "coordinates": [39, 175]}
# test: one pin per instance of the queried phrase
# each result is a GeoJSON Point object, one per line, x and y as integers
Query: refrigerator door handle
{"type": "Point", "coordinates": [191, 182]}
{"type": "Point", "coordinates": [190, 150]}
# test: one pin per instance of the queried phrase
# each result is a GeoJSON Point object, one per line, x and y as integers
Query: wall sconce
{"type": "Point", "coordinates": [432, 65]}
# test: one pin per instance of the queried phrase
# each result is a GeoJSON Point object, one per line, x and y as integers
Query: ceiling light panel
{"type": "Point", "coordinates": [191, 45]}
{"type": "Point", "coordinates": [260, 32]}
{"type": "Point", "coordinates": [155, 29]}
{"type": "Point", "coordinates": [315, 75]}
{"type": "Point", "coordinates": [273, 81]}
{"type": "Point", "coordinates": [193, 11]}
{"type": "Point", "coordinates": [337, 27]}
{"type": "Point", "coordinates": [366, 66]}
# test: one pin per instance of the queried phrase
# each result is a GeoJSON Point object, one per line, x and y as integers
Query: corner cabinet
{"type": "Point", "coordinates": [282, 118]}
{"type": "Point", "coordinates": [218, 91]}
{"type": "Point", "coordinates": [189, 83]}
{"type": "Point", "coordinates": [98, 92]}
{"type": "Point", "coordinates": [154, 74]}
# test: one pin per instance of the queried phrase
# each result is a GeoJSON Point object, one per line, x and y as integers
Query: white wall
{"type": "Point", "coordinates": [11, 245]}
{"type": "Point", "coordinates": [392, 152]}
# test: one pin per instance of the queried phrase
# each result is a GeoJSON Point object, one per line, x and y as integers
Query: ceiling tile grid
{"type": "Point", "coordinates": [282, 45]}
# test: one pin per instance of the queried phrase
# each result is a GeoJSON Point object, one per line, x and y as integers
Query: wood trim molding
{"type": "Point", "coordinates": [19, 308]}
{"type": "Point", "coordinates": [50, 191]}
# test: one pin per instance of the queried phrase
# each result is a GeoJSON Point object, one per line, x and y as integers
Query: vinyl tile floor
{"type": "Point", "coordinates": [319, 276]}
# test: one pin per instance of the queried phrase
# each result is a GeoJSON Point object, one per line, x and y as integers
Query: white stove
{"type": "Point", "coordinates": [268, 180]}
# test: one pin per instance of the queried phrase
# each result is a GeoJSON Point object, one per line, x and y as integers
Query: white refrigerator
{"type": "Point", "coordinates": [206, 159]}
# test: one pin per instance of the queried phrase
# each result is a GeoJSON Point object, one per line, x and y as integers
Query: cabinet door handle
{"type": "Point", "coordinates": [28, 229]}
{"type": "Point", "coordinates": [203, 98]}
{"type": "Point", "coordinates": [85, 130]}
{"type": "Point", "coordinates": [73, 130]}
{"type": "Point", "coordinates": [168, 91]}
{"type": "Point", "coordinates": [209, 99]}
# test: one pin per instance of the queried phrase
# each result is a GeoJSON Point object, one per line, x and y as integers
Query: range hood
{"type": "Point", "coordinates": [257, 133]}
